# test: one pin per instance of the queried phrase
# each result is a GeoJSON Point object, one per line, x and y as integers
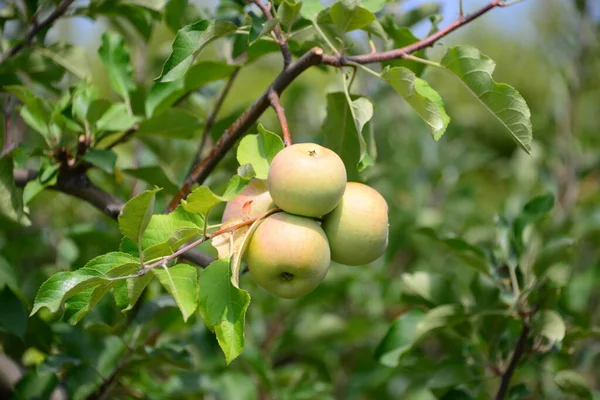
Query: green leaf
{"type": "Point", "coordinates": [154, 175]}
{"type": "Point", "coordinates": [418, 14]}
{"type": "Point", "coordinates": [173, 123]}
{"type": "Point", "coordinates": [288, 12]}
{"type": "Point", "coordinates": [116, 119]}
{"type": "Point", "coordinates": [181, 281]}
{"type": "Point", "coordinates": [202, 199]}
{"type": "Point", "coordinates": [223, 307]}
{"type": "Point", "coordinates": [549, 324]}
{"type": "Point", "coordinates": [103, 159]}
{"type": "Point", "coordinates": [35, 386]}
{"type": "Point", "coordinates": [444, 316]}
{"type": "Point", "coordinates": [11, 205]}
{"type": "Point", "coordinates": [557, 250]}
{"type": "Point", "coordinates": [56, 363]}
{"type": "Point", "coordinates": [64, 285]}
{"type": "Point", "coordinates": [311, 9]}
{"type": "Point", "coordinates": [179, 13]}
{"type": "Point", "coordinates": [539, 205]}
{"type": "Point", "coordinates": [348, 15]}
{"type": "Point", "coordinates": [189, 41]}
{"type": "Point", "coordinates": [136, 214]}
{"type": "Point", "coordinates": [7, 275]}
{"type": "Point", "coordinates": [177, 239]}
{"type": "Point", "coordinates": [473, 255]}
{"type": "Point", "coordinates": [373, 5]}
{"type": "Point", "coordinates": [154, 5]}
{"type": "Point", "coordinates": [401, 37]}
{"type": "Point", "coordinates": [421, 97]}
{"type": "Point", "coordinates": [135, 288]}
{"type": "Point", "coordinates": [343, 131]}
{"type": "Point", "coordinates": [571, 382]}
{"type": "Point", "coordinates": [77, 306]}
{"type": "Point", "coordinates": [13, 318]}
{"type": "Point", "coordinates": [73, 58]}
{"type": "Point", "coordinates": [475, 70]}
{"type": "Point", "coordinates": [162, 95]}
{"type": "Point", "coordinates": [161, 226]}
{"type": "Point", "coordinates": [259, 150]}
{"type": "Point", "coordinates": [434, 289]}
{"type": "Point", "coordinates": [37, 113]}
{"type": "Point", "coordinates": [266, 28]}
{"type": "Point", "coordinates": [399, 338]}
{"type": "Point", "coordinates": [82, 99]}
{"type": "Point", "coordinates": [115, 56]}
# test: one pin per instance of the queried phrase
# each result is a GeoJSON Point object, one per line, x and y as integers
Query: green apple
{"type": "Point", "coordinates": [307, 179]}
{"type": "Point", "coordinates": [288, 255]}
{"type": "Point", "coordinates": [358, 227]}
{"type": "Point", "coordinates": [252, 202]}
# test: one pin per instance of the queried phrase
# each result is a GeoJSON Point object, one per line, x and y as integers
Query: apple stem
{"type": "Point", "coordinates": [285, 130]}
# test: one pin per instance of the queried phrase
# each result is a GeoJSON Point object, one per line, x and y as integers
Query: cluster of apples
{"type": "Point", "coordinates": [324, 219]}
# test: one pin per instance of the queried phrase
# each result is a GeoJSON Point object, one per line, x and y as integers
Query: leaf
{"type": "Point", "coordinates": [136, 215]}
{"type": "Point", "coordinates": [473, 255]}
{"type": "Point", "coordinates": [161, 226]}
{"type": "Point", "coordinates": [571, 382]}
{"type": "Point", "coordinates": [343, 131]}
{"type": "Point", "coordinates": [288, 11]}
{"type": "Point", "coordinates": [189, 41]}
{"type": "Point", "coordinates": [435, 289]}
{"type": "Point", "coordinates": [57, 363]}
{"type": "Point", "coordinates": [74, 59]}
{"type": "Point", "coordinates": [135, 288]}
{"type": "Point", "coordinates": [181, 281]}
{"type": "Point", "coordinates": [177, 239]}
{"type": "Point", "coordinates": [399, 338]}
{"type": "Point", "coordinates": [559, 249]}
{"type": "Point", "coordinates": [202, 199]}
{"type": "Point", "coordinates": [162, 95]}
{"type": "Point", "coordinates": [7, 275]}
{"type": "Point", "coordinates": [63, 285]}
{"type": "Point", "coordinates": [173, 123]}
{"type": "Point", "coordinates": [348, 15]}
{"type": "Point", "coordinates": [259, 150]}
{"type": "Point", "coordinates": [539, 205]}
{"type": "Point", "coordinates": [13, 318]}
{"type": "Point", "coordinates": [37, 113]}
{"type": "Point", "coordinates": [475, 70]}
{"type": "Point", "coordinates": [103, 159]}
{"type": "Point", "coordinates": [115, 57]}
{"type": "Point", "coordinates": [549, 324]}
{"type": "Point", "coordinates": [267, 27]}
{"type": "Point", "coordinates": [83, 97]}
{"type": "Point", "coordinates": [421, 97]}
{"type": "Point", "coordinates": [440, 317]}
{"type": "Point", "coordinates": [179, 13]}
{"type": "Point", "coordinates": [310, 9]}
{"type": "Point", "coordinates": [116, 118]}
{"type": "Point", "coordinates": [373, 5]}
{"type": "Point", "coordinates": [223, 307]}
{"type": "Point", "coordinates": [401, 37]}
{"type": "Point", "coordinates": [11, 205]}
{"type": "Point", "coordinates": [155, 176]}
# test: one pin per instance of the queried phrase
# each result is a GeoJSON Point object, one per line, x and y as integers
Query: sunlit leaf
{"type": "Point", "coordinates": [181, 281]}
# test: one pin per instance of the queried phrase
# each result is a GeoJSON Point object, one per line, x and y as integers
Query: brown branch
{"type": "Point", "coordinates": [75, 183]}
{"type": "Point", "coordinates": [37, 28]}
{"type": "Point", "coordinates": [285, 130]}
{"type": "Point", "coordinates": [315, 56]}
{"type": "Point", "coordinates": [281, 39]}
{"type": "Point", "coordinates": [514, 361]}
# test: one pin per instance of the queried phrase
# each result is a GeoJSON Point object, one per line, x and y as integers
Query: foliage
{"type": "Point", "coordinates": [492, 258]}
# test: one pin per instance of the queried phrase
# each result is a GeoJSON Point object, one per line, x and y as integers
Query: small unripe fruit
{"type": "Point", "coordinates": [252, 202]}
{"type": "Point", "coordinates": [288, 255]}
{"type": "Point", "coordinates": [307, 179]}
{"type": "Point", "coordinates": [358, 227]}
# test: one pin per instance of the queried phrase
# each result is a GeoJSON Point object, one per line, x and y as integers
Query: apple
{"type": "Point", "coordinates": [288, 255]}
{"type": "Point", "coordinates": [253, 201]}
{"type": "Point", "coordinates": [307, 179]}
{"type": "Point", "coordinates": [358, 227]}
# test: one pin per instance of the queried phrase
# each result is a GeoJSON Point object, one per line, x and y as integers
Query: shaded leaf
{"type": "Point", "coordinates": [288, 12]}
{"type": "Point", "coordinates": [74, 59]}
{"type": "Point", "coordinates": [571, 382]}
{"type": "Point", "coordinates": [154, 175]}
{"type": "Point", "coordinates": [173, 123]}
{"type": "Point", "coordinates": [115, 56]}
{"type": "Point", "coordinates": [259, 150]}
{"type": "Point", "coordinates": [202, 199]}
{"type": "Point", "coordinates": [13, 318]}
{"type": "Point", "coordinates": [11, 205]}
{"type": "Point", "coordinates": [557, 250]}
{"type": "Point", "coordinates": [311, 8]}
{"type": "Point", "coordinates": [348, 15]}
{"type": "Point", "coordinates": [116, 118]}
{"type": "Point", "coordinates": [103, 159]}
{"type": "Point", "coordinates": [399, 338]}
{"type": "Point", "coordinates": [136, 214]}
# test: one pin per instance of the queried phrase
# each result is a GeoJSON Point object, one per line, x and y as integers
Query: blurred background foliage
{"type": "Point", "coordinates": [473, 185]}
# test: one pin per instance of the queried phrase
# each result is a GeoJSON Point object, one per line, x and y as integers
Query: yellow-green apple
{"type": "Point", "coordinates": [358, 227]}
{"type": "Point", "coordinates": [307, 179]}
{"type": "Point", "coordinates": [252, 202]}
{"type": "Point", "coordinates": [288, 255]}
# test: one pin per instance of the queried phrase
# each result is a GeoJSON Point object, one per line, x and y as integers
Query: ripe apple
{"type": "Point", "coordinates": [252, 202]}
{"type": "Point", "coordinates": [307, 179]}
{"type": "Point", "coordinates": [288, 255]}
{"type": "Point", "coordinates": [358, 227]}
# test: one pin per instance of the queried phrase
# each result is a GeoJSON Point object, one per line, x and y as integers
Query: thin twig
{"type": "Point", "coordinates": [315, 56]}
{"type": "Point", "coordinates": [281, 39]}
{"type": "Point", "coordinates": [212, 118]}
{"type": "Point", "coordinates": [285, 130]}
{"type": "Point", "coordinates": [125, 137]}
{"type": "Point", "coordinates": [514, 361]}
{"type": "Point", "coordinates": [37, 28]}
